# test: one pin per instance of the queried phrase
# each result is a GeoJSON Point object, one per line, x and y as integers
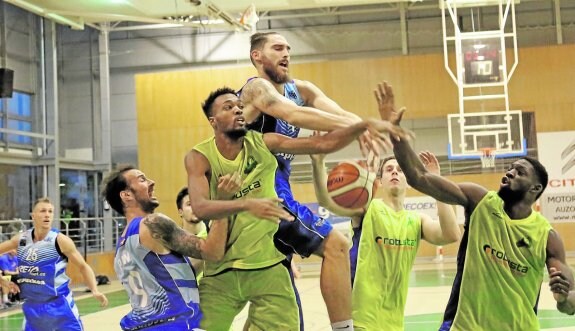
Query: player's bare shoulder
{"type": "Point", "coordinates": [257, 96]}
{"type": "Point", "coordinates": [254, 89]}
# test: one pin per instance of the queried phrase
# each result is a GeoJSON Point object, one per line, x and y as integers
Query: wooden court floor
{"type": "Point", "coordinates": [430, 285]}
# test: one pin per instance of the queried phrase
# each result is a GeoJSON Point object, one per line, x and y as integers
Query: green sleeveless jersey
{"type": "Point", "coordinates": [387, 248]}
{"type": "Point", "coordinates": [503, 270]}
{"type": "Point", "coordinates": [250, 240]}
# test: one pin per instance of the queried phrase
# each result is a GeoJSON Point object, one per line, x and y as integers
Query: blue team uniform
{"type": "Point", "coordinates": [305, 234]}
{"type": "Point", "coordinates": [162, 288]}
{"type": "Point", "coordinates": [44, 285]}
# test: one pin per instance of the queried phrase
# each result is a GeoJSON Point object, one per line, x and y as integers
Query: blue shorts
{"type": "Point", "coordinates": [58, 314]}
{"type": "Point", "coordinates": [305, 234]}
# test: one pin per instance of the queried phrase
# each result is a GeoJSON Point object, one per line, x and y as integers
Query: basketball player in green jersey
{"type": "Point", "coordinates": [505, 245]}
{"type": "Point", "coordinates": [251, 269]}
{"type": "Point", "coordinates": [385, 242]}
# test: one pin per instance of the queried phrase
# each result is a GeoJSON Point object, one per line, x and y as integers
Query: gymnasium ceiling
{"type": "Point", "coordinates": [146, 14]}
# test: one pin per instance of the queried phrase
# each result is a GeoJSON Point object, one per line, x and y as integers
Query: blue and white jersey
{"type": "Point", "coordinates": [42, 268]}
{"type": "Point", "coordinates": [160, 287]}
{"type": "Point", "coordinates": [266, 123]}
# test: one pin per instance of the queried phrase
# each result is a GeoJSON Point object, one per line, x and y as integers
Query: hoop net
{"type": "Point", "coordinates": [487, 158]}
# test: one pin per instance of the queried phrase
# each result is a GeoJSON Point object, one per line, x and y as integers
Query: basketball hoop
{"type": "Point", "coordinates": [487, 157]}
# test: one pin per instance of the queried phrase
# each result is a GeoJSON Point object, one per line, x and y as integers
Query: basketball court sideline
{"type": "Point", "coordinates": [430, 286]}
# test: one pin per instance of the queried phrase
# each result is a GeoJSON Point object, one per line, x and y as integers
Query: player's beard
{"type": "Point", "coordinates": [273, 73]}
{"type": "Point", "coordinates": [149, 206]}
{"type": "Point", "coordinates": [236, 134]}
{"type": "Point", "coordinates": [510, 196]}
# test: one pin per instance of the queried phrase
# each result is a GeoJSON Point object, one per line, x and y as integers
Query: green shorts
{"type": "Point", "coordinates": [269, 291]}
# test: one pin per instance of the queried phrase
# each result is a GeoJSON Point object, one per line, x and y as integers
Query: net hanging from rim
{"type": "Point", "coordinates": [487, 158]}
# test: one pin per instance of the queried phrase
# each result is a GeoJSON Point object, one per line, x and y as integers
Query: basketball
{"type": "Point", "coordinates": [350, 185]}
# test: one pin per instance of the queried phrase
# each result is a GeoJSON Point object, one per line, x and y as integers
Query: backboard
{"type": "Point", "coordinates": [471, 133]}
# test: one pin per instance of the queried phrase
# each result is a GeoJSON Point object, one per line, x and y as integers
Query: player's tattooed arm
{"type": "Point", "coordinates": [261, 95]}
{"type": "Point", "coordinates": [170, 235]}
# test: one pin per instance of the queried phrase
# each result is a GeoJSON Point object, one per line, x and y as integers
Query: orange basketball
{"type": "Point", "coordinates": [350, 185]}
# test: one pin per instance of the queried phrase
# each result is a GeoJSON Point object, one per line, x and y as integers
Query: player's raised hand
{"type": "Point", "coordinates": [386, 103]}
{"type": "Point", "coordinates": [430, 162]}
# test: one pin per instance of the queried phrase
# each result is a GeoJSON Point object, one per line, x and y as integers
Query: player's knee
{"type": "Point", "coordinates": [336, 246]}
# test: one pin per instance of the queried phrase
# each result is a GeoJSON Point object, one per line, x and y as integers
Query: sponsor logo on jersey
{"type": "Point", "coordinates": [396, 243]}
{"type": "Point", "coordinates": [251, 164]}
{"type": "Point", "coordinates": [246, 190]}
{"type": "Point", "coordinates": [500, 257]}
{"type": "Point", "coordinates": [30, 270]}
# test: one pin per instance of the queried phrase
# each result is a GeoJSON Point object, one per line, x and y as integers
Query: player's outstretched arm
{"type": "Point", "coordinates": [198, 168]}
{"type": "Point", "coordinates": [417, 176]}
{"type": "Point", "coordinates": [315, 97]}
{"type": "Point", "coordinates": [560, 275]}
{"type": "Point", "coordinates": [332, 141]}
{"type": "Point", "coordinates": [438, 187]}
{"type": "Point", "coordinates": [69, 249]}
{"type": "Point", "coordinates": [259, 95]}
{"type": "Point", "coordinates": [10, 244]}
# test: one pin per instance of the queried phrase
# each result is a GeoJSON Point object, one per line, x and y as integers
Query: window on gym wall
{"type": "Point", "coordinates": [78, 210]}
{"type": "Point", "coordinates": [16, 114]}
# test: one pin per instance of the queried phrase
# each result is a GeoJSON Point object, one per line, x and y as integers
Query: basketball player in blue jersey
{"type": "Point", "coordinates": [276, 103]}
{"type": "Point", "coordinates": [505, 246]}
{"type": "Point", "coordinates": [43, 254]}
{"type": "Point", "coordinates": [152, 256]}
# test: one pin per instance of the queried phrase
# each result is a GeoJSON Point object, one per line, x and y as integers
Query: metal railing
{"type": "Point", "coordinates": [87, 233]}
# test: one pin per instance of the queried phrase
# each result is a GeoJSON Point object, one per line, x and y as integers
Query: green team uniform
{"type": "Point", "coordinates": [387, 249]}
{"type": "Point", "coordinates": [251, 260]}
{"type": "Point", "coordinates": [499, 284]}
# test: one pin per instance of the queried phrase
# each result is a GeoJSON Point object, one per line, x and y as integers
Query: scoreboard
{"type": "Point", "coordinates": [481, 62]}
